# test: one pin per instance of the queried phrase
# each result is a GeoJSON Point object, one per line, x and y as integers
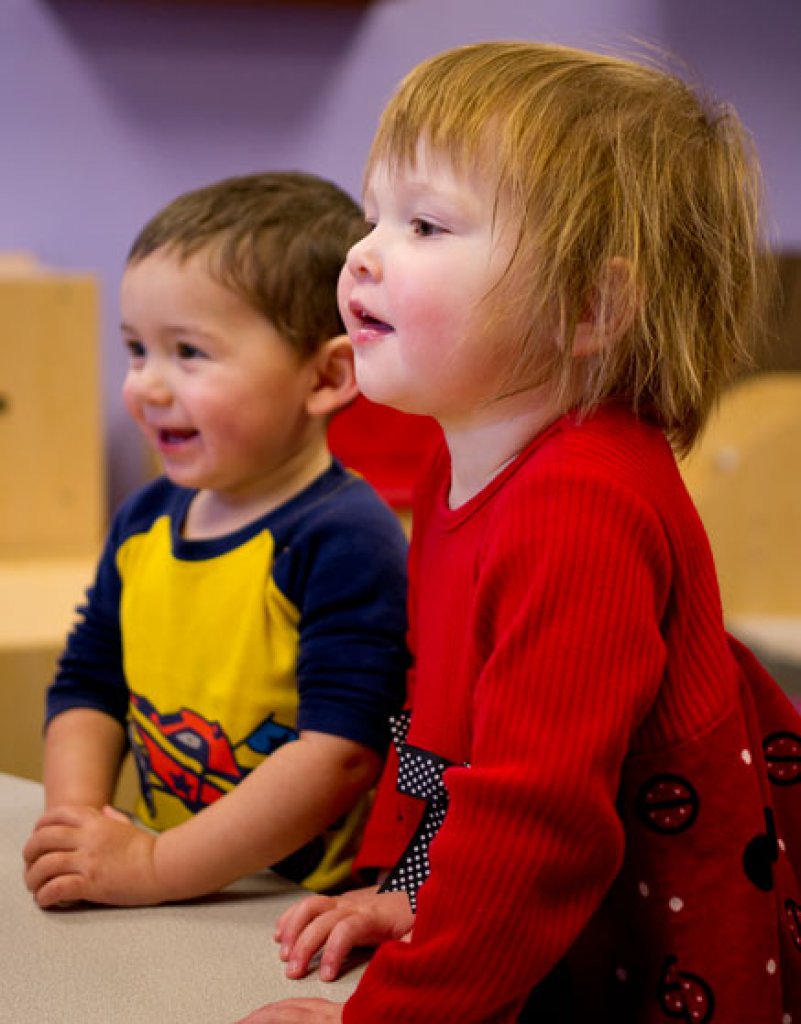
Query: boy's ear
{"type": "Point", "coordinates": [609, 312]}
{"type": "Point", "coordinates": [334, 381]}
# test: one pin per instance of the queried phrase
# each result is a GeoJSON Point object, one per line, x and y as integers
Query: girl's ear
{"type": "Point", "coordinates": [610, 310]}
{"type": "Point", "coordinates": [334, 381]}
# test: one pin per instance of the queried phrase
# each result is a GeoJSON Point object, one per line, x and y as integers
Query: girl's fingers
{"type": "Point", "coordinates": [292, 922]}
{"type": "Point", "coordinates": [311, 940]}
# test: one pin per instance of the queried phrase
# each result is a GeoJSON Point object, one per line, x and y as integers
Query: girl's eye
{"type": "Point", "coordinates": [136, 350]}
{"type": "Point", "coordinates": [186, 351]}
{"type": "Point", "coordinates": [425, 228]}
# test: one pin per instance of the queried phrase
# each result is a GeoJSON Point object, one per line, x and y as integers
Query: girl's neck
{"type": "Point", "coordinates": [484, 444]}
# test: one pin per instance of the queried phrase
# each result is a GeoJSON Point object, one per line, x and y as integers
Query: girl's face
{"type": "Point", "coordinates": [411, 291]}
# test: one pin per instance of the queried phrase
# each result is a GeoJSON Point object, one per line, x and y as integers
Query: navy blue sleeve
{"type": "Point", "coordinates": [347, 573]}
{"type": "Point", "coordinates": [90, 672]}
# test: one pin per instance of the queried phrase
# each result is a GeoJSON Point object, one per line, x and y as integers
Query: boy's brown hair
{"type": "Point", "coordinates": [633, 198]}
{"type": "Point", "coordinates": [278, 239]}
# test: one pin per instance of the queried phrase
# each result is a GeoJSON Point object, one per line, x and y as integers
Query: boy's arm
{"type": "Point", "coordinates": [289, 799]}
{"type": "Point", "coordinates": [82, 755]}
{"type": "Point", "coordinates": [286, 801]}
{"type": "Point", "coordinates": [87, 701]}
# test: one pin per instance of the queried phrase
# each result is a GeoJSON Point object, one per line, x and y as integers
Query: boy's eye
{"type": "Point", "coordinates": [136, 350]}
{"type": "Point", "coordinates": [186, 351]}
{"type": "Point", "coordinates": [426, 228]}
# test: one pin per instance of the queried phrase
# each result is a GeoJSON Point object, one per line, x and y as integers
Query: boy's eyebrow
{"type": "Point", "coordinates": [187, 328]}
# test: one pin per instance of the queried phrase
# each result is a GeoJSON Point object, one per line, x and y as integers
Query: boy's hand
{"type": "Point", "coordinates": [338, 924]}
{"type": "Point", "coordinates": [81, 853]}
{"type": "Point", "coordinates": [296, 1011]}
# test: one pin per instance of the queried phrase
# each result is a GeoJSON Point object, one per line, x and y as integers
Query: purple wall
{"type": "Point", "coordinates": [109, 109]}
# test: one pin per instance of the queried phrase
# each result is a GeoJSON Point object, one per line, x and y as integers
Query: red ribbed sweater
{"type": "Point", "coordinates": [608, 777]}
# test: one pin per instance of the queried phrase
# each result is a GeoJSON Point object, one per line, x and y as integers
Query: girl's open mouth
{"type": "Point", "coordinates": [370, 326]}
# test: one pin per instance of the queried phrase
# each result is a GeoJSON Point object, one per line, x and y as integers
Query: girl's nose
{"type": "Point", "coordinates": [362, 259]}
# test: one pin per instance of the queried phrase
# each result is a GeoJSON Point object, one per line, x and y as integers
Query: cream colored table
{"type": "Point", "coordinates": [206, 962]}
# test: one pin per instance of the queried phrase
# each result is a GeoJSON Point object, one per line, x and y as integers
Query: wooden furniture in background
{"type": "Point", "coordinates": [37, 602]}
{"type": "Point", "coordinates": [745, 478]}
{"type": "Point", "coordinates": [52, 488]}
{"type": "Point", "coordinates": [52, 491]}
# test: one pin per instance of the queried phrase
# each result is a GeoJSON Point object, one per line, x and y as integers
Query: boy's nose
{"type": "Point", "coordinates": [151, 386]}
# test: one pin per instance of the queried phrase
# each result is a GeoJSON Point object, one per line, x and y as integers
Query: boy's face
{"type": "Point", "coordinates": [411, 292]}
{"type": "Point", "coordinates": [212, 386]}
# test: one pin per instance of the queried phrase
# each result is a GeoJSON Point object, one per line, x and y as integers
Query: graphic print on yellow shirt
{"type": "Point", "coordinates": [214, 652]}
{"type": "Point", "coordinates": [210, 640]}
{"type": "Point", "coordinates": [187, 757]}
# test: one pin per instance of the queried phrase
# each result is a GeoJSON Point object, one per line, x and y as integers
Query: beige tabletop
{"type": "Point", "coordinates": [205, 962]}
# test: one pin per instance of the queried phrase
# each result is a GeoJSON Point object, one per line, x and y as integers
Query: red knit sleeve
{"type": "Point", "coordinates": [573, 584]}
{"type": "Point", "coordinates": [393, 815]}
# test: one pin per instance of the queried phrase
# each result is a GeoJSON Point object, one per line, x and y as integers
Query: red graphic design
{"type": "Point", "coordinates": [667, 804]}
{"type": "Point", "coordinates": [191, 758]}
{"type": "Point", "coordinates": [793, 911]}
{"type": "Point", "coordinates": [783, 755]}
{"type": "Point", "coordinates": [685, 996]}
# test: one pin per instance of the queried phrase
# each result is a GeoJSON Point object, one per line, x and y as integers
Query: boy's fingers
{"type": "Point", "coordinates": [50, 839]}
{"type": "Point", "coordinates": [116, 815]}
{"type": "Point", "coordinates": [62, 889]}
{"type": "Point", "coordinates": [64, 815]}
{"type": "Point", "coordinates": [46, 867]}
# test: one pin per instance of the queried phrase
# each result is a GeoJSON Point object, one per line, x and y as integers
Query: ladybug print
{"type": "Point", "coordinates": [783, 756]}
{"type": "Point", "coordinates": [685, 996]}
{"type": "Point", "coordinates": [793, 911]}
{"type": "Point", "coordinates": [761, 854]}
{"type": "Point", "coordinates": [667, 804]}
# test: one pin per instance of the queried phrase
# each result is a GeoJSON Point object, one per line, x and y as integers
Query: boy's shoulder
{"type": "Point", "coordinates": [339, 507]}
{"type": "Point", "coordinates": [338, 503]}
{"type": "Point", "coordinates": [138, 512]}
{"type": "Point", "coordinates": [339, 538]}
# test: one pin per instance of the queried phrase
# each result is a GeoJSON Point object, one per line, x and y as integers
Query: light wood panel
{"type": "Point", "coordinates": [52, 489]}
{"type": "Point", "coordinates": [745, 477]}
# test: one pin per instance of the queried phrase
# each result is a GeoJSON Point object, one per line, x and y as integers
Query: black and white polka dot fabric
{"type": "Point", "coordinates": [420, 775]}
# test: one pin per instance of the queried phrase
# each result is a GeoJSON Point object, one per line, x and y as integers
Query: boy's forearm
{"type": "Point", "coordinates": [290, 798]}
{"type": "Point", "coordinates": [82, 755]}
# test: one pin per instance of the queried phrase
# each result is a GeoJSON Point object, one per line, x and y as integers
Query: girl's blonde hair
{"type": "Point", "coordinates": [637, 203]}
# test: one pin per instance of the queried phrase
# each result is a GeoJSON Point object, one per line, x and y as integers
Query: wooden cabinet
{"type": "Point", "coordinates": [52, 491]}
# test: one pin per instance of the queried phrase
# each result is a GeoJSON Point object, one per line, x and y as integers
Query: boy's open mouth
{"type": "Point", "coordinates": [173, 437]}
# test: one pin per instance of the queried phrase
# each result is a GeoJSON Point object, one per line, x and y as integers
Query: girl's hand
{"type": "Point", "coordinates": [81, 853]}
{"type": "Point", "coordinates": [338, 924]}
{"type": "Point", "coordinates": [296, 1011]}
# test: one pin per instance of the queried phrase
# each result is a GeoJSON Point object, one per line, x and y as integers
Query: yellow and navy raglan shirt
{"type": "Point", "coordinates": [212, 653]}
